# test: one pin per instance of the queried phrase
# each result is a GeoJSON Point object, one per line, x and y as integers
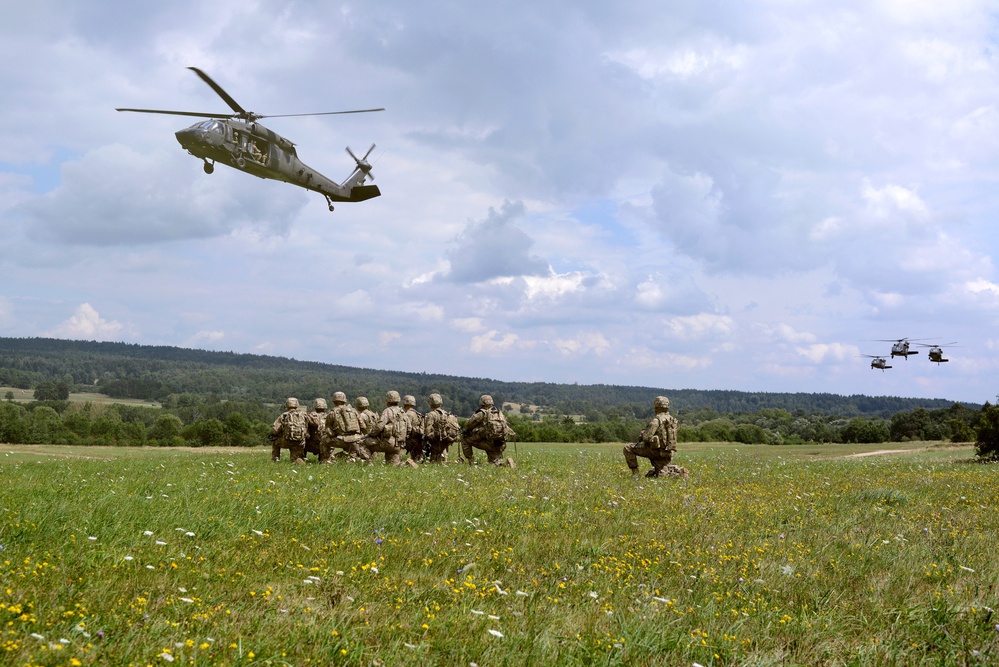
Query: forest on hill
{"type": "Point", "coordinates": [125, 370]}
{"type": "Point", "coordinates": [227, 398]}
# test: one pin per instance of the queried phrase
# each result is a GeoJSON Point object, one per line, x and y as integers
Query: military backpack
{"type": "Point", "coordinates": [294, 426]}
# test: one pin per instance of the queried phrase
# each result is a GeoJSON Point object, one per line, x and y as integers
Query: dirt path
{"type": "Point", "coordinates": [885, 451]}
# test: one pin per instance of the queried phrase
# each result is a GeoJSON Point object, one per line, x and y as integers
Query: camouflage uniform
{"type": "Point", "coordinates": [433, 429]}
{"type": "Point", "coordinates": [367, 416]}
{"type": "Point", "coordinates": [478, 433]}
{"type": "Point", "coordinates": [317, 429]}
{"type": "Point", "coordinates": [343, 428]}
{"type": "Point", "coordinates": [657, 443]}
{"type": "Point", "coordinates": [381, 437]}
{"type": "Point", "coordinates": [279, 430]}
{"type": "Point", "coordinates": [414, 435]}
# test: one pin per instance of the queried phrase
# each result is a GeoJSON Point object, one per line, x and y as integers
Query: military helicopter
{"type": "Point", "coordinates": [239, 141]}
{"type": "Point", "coordinates": [900, 347]}
{"type": "Point", "coordinates": [936, 352]}
{"type": "Point", "coordinates": [877, 362]}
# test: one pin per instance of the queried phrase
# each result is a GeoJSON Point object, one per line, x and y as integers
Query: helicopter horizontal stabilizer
{"type": "Point", "coordinates": [364, 192]}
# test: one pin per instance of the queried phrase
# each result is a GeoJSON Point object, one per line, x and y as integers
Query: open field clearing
{"type": "Point", "coordinates": [764, 556]}
{"type": "Point", "coordinates": [28, 395]}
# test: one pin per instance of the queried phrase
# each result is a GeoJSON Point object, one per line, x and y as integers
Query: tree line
{"type": "Point", "coordinates": [158, 373]}
{"type": "Point", "coordinates": [195, 420]}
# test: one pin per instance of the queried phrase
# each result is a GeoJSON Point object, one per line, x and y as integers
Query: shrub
{"type": "Point", "coordinates": [987, 442]}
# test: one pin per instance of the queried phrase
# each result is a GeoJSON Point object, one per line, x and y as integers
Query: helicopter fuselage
{"type": "Point", "coordinates": [250, 147]}
{"type": "Point", "coordinates": [936, 355]}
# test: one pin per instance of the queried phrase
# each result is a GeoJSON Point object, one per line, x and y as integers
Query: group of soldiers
{"type": "Point", "coordinates": [357, 433]}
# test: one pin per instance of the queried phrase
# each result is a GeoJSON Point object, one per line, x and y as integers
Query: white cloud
{"type": "Point", "coordinates": [553, 285]}
{"type": "Point", "coordinates": [890, 201]}
{"type": "Point", "coordinates": [701, 325]}
{"type": "Point", "coordinates": [468, 324]}
{"type": "Point", "coordinates": [491, 342]}
{"type": "Point", "coordinates": [584, 343]}
{"type": "Point", "coordinates": [819, 352]}
{"type": "Point", "coordinates": [86, 324]}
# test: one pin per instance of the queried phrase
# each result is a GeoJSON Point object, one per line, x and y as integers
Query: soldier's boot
{"type": "Point", "coordinates": [655, 473]}
{"type": "Point", "coordinates": [635, 474]}
{"type": "Point", "coordinates": [510, 462]}
{"type": "Point", "coordinates": [275, 453]}
{"type": "Point", "coordinates": [412, 464]}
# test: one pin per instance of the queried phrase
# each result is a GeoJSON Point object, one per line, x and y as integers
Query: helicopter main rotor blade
{"type": "Point", "coordinates": [321, 113]}
{"type": "Point", "coordinates": [180, 113]}
{"type": "Point", "coordinates": [221, 93]}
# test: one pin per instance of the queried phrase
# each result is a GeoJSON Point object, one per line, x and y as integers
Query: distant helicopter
{"type": "Point", "coordinates": [238, 140]}
{"type": "Point", "coordinates": [877, 362]}
{"type": "Point", "coordinates": [900, 347]}
{"type": "Point", "coordinates": [936, 352]}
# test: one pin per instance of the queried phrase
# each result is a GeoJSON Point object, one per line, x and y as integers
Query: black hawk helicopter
{"type": "Point", "coordinates": [238, 140]}
{"type": "Point", "coordinates": [876, 361]}
{"type": "Point", "coordinates": [900, 347]}
{"type": "Point", "coordinates": [935, 353]}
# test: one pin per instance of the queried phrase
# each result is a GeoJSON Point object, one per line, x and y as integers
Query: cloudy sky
{"type": "Point", "coordinates": [679, 194]}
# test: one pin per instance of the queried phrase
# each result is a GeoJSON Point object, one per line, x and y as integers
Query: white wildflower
{"type": "Point", "coordinates": [495, 633]}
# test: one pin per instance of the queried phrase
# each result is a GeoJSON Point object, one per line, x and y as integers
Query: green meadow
{"type": "Point", "coordinates": [791, 555]}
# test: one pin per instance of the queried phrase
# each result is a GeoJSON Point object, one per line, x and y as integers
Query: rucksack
{"type": "Point", "coordinates": [398, 425]}
{"type": "Point", "coordinates": [347, 420]}
{"type": "Point", "coordinates": [446, 426]}
{"type": "Point", "coordinates": [294, 426]}
{"type": "Point", "coordinates": [450, 428]}
{"type": "Point", "coordinates": [495, 425]}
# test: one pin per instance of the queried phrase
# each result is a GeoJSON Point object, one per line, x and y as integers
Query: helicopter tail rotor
{"type": "Point", "coordinates": [362, 162]}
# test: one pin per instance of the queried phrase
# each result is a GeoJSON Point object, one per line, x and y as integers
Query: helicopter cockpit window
{"type": "Point", "coordinates": [210, 126]}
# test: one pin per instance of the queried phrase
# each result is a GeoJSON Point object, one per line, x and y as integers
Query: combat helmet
{"type": "Point", "coordinates": [291, 404]}
{"type": "Point", "coordinates": [408, 400]}
{"type": "Point", "coordinates": [361, 403]}
{"type": "Point", "coordinates": [340, 397]}
{"type": "Point", "coordinates": [392, 397]}
{"type": "Point", "coordinates": [435, 400]}
{"type": "Point", "coordinates": [485, 401]}
{"type": "Point", "coordinates": [661, 402]}
{"type": "Point", "coordinates": [319, 404]}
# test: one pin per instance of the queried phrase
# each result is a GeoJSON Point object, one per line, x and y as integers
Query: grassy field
{"type": "Point", "coordinates": [28, 395]}
{"type": "Point", "coordinates": [764, 556]}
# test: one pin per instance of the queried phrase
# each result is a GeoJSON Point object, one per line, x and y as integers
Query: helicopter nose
{"type": "Point", "coordinates": [185, 136]}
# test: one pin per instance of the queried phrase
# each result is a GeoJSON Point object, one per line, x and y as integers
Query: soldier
{"type": "Point", "coordinates": [657, 443]}
{"type": "Point", "coordinates": [440, 429]}
{"type": "Point", "coordinates": [414, 435]}
{"type": "Point", "coordinates": [343, 428]}
{"type": "Point", "coordinates": [487, 430]}
{"type": "Point", "coordinates": [290, 431]}
{"type": "Point", "coordinates": [317, 429]}
{"type": "Point", "coordinates": [365, 414]}
{"type": "Point", "coordinates": [388, 434]}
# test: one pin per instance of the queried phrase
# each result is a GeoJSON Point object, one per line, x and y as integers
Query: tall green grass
{"type": "Point", "coordinates": [764, 556]}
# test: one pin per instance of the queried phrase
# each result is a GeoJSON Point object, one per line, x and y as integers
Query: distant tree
{"type": "Point", "coordinates": [9, 396]}
{"type": "Point", "coordinates": [865, 430]}
{"type": "Point", "coordinates": [166, 428]}
{"type": "Point", "coordinates": [987, 443]}
{"type": "Point", "coordinates": [51, 391]}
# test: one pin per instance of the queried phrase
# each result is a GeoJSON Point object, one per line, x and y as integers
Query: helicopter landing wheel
{"type": "Point", "coordinates": [331, 207]}
{"type": "Point", "coordinates": [240, 162]}
{"type": "Point", "coordinates": [209, 167]}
